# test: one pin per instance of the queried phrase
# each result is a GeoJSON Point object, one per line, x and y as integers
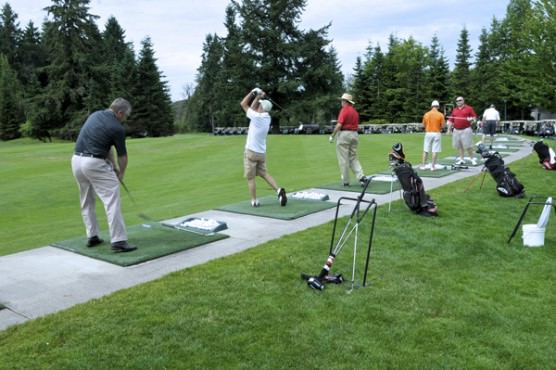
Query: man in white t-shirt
{"type": "Point", "coordinates": [254, 157]}
{"type": "Point", "coordinates": [491, 118]}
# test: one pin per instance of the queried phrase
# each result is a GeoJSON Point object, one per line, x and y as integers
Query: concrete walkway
{"type": "Point", "coordinates": [45, 280]}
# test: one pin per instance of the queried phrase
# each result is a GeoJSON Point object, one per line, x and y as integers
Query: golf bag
{"type": "Point", "coordinates": [414, 193]}
{"type": "Point", "coordinates": [507, 184]}
{"type": "Point", "coordinates": [547, 157]}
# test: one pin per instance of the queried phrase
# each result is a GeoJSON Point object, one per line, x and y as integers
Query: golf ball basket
{"type": "Point", "coordinates": [361, 209]}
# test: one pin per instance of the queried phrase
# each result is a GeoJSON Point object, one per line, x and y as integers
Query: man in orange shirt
{"type": "Point", "coordinates": [433, 121]}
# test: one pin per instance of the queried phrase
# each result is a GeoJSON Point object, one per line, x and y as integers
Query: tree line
{"type": "Point", "coordinates": [51, 79]}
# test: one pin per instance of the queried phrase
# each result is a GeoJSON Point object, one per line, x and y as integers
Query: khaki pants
{"type": "Point", "coordinates": [97, 177]}
{"type": "Point", "coordinates": [346, 151]}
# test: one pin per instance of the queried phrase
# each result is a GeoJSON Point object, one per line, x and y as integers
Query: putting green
{"type": "Point", "coordinates": [375, 187]}
{"type": "Point", "coordinates": [270, 207]}
{"type": "Point", "coordinates": [152, 240]}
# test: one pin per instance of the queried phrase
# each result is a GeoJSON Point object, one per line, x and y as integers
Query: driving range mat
{"type": "Point", "coordinates": [428, 173]}
{"type": "Point", "coordinates": [375, 187]}
{"type": "Point", "coordinates": [269, 207]}
{"type": "Point", "coordinates": [153, 240]}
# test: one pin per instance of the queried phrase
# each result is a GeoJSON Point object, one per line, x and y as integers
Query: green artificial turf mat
{"type": "Point", "coordinates": [152, 240]}
{"type": "Point", "coordinates": [428, 173]}
{"type": "Point", "coordinates": [375, 187]}
{"type": "Point", "coordinates": [270, 207]}
{"type": "Point", "coordinates": [435, 173]}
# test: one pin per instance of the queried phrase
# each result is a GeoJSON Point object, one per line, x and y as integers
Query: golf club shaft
{"type": "Point", "coordinates": [140, 214]}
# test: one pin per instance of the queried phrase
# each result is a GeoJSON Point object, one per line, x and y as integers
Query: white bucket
{"type": "Point", "coordinates": [533, 236]}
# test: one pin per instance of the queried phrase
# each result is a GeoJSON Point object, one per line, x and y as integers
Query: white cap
{"type": "Point", "coordinates": [266, 105]}
{"type": "Point", "coordinates": [435, 103]}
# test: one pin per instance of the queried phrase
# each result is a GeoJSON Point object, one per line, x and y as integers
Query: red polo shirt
{"type": "Point", "coordinates": [459, 116]}
{"type": "Point", "coordinates": [348, 118]}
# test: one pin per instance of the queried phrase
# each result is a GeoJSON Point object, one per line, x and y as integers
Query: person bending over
{"type": "Point", "coordinates": [97, 172]}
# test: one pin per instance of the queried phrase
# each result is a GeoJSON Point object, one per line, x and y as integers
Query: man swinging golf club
{"type": "Point", "coordinates": [98, 173]}
{"type": "Point", "coordinates": [254, 158]}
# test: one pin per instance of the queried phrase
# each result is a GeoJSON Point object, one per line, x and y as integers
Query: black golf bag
{"type": "Point", "coordinates": [414, 193]}
{"type": "Point", "coordinates": [547, 157]}
{"type": "Point", "coordinates": [507, 184]}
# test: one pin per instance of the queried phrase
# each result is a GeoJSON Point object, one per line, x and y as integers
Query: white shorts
{"type": "Point", "coordinates": [433, 142]}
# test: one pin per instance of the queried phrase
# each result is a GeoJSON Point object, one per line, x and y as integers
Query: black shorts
{"type": "Point", "coordinates": [489, 128]}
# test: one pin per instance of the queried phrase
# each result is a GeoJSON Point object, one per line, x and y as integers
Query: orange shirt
{"type": "Point", "coordinates": [433, 121]}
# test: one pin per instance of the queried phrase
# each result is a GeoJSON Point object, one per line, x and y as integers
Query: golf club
{"type": "Point", "coordinates": [141, 215]}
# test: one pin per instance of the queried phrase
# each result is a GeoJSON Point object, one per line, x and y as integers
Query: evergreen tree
{"type": "Point", "coordinates": [152, 112]}
{"type": "Point", "coordinates": [438, 76]}
{"type": "Point", "coordinates": [233, 77]}
{"type": "Point", "coordinates": [76, 85]}
{"type": "Point", "coordinates": [9, 35]}
{"type": "Point", "coordinates": [542, 38]}
{"type": "Point", "coordinates": [204, 103]}
{"type": "Point", "coordinates": [11, 112]}
{"type": "Point", "coordinates": [485, 77]}
{"type": "Point", "coordinates": [119, 60]}
{"type": "Point", "coordinates": [518, 77]}
{"type": "Point", "coordinates": [461, 78]}
{"type": "Point", "coordinates": [33, 58]}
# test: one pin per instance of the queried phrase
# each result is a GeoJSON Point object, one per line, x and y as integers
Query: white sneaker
{"type": "Point", "coordinates": [422, 167]}
{"type": "Point", "coordinates": [473, 161]}
{"type": "Point", "coordinates": [460, 161]}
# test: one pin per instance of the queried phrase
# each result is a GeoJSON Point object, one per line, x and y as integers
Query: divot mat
{"type": "Point", "coordinates": [153, 240]}
{"type": "Point", "coordinates": [375, 187]}
{"type": "Point", "coordinates": [269, 207]}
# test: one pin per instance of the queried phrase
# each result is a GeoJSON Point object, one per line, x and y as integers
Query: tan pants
{"type": "Point", "coordinates": [346, 151]}
{"type": "Point", "coordinates": [97, 177]}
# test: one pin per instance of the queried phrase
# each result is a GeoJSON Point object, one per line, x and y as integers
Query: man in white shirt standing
{"type": "Point", "coordinates": [491, 118]}
{"type": "Point", "coordinates": [254, 158]}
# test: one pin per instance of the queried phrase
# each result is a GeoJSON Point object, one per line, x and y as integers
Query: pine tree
{"type": "Point", "coordinates": [76, 84]}
{"type": "Point", "coordinates": [11, 111]}
{"type": "Point", "coordinates": [152, 112]}
{"type": "Point", "coordinates": [461, 78]}
{"type": "Point", "coordinates": [33, 58]}
{"type": "Point", "coordinates": [9, 35]}
{"type": "Point", "coordinates": [119, 59]}
{"type": "Point", "coordinates": [438, 77]}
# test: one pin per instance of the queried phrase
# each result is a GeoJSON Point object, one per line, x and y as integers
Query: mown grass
{"type": "Point", "coordinates": [168, 177]}
{"type": "Point", "coordinates": [444, 292]}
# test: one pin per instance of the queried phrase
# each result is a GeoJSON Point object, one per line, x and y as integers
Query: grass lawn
{"type": "Point", "coordinates": [444, 292]}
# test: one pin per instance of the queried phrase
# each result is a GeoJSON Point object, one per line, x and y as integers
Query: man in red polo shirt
{"type": "Point", "coordinates": [459, 125]}
{"type": "Point", "coordinates": [347, 141]}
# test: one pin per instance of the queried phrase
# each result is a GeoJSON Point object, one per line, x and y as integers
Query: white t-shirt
{"type": "Point", "coordinates": [258, 130]}
{"type": "Point", "coordinates": [491, 114]}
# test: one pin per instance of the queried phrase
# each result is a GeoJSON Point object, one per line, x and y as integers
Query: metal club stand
{"type": "Point", "coordinates": [357, 215]}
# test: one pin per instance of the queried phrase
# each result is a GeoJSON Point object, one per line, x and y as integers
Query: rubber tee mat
{"type": "Point", "coordinates": [269, 207]}
{"type": "Point", "coordinates": [375, 187]}
{"type": "Point", "coordinates": [153, 240]}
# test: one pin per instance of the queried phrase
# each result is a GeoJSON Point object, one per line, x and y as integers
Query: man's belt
{"type": "Point", "coordinates": [89, 155]}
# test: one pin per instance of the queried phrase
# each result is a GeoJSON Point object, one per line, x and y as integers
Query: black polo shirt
{"type": "Point", "coordinates": [101, 131]}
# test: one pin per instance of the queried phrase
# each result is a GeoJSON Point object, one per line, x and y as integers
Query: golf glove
{"type": "Point", "coordinates": [331, 139]}
{"type": "Point", "coordinates": [256, 91]}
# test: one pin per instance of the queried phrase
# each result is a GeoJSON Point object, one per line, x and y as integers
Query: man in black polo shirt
{"type": "Point", "coordinates": [98, 172]}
